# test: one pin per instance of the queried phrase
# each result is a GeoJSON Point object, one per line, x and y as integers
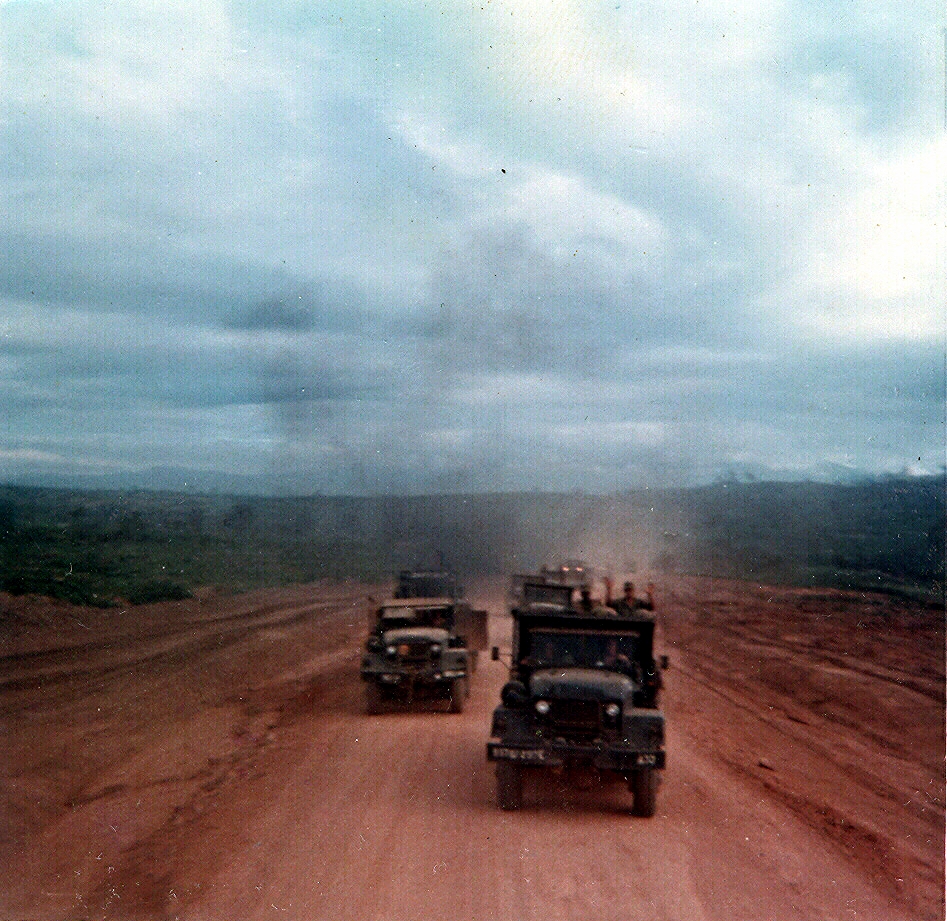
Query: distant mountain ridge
{"type": "Point", "coordinates": [277, 484]}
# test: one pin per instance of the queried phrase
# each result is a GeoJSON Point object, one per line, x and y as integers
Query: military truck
{"type": "Point", "coordinates": [442, 583]}
{"type": "Point", "coordinates": [422, 648]}
{"type": "Point", "coordinates": [413, 583]}
{"type": "Point", "coordinates": [582, 696]}
{"type": "Point", "coordinates": [574, 573]}
{"type": "Point", "coordinates": [569, 572]}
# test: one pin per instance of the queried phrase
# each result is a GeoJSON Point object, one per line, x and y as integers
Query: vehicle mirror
{"type": "Point", "coordinates": [664, 661]}
{"type": "Point", "coordinates": [495, 653]}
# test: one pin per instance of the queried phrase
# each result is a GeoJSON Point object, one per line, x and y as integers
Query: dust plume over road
{"type": "Point", "coordinates": [211, 759]}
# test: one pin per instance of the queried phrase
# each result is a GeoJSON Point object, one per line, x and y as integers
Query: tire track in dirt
{"type": "Point", "coordinates": [860, 756]}
{"type": "Point", "coordinates": [146, 881]}
{"type": "Point", "coordinates": [41, 668]}
{"type": "Point", "coordinates": [251, 784]}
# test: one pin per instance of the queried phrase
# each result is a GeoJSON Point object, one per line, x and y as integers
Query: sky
{"type": "Point", "coordinates": [405, 246]}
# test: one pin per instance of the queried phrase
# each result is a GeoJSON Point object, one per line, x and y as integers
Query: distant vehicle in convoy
{"type": "Point", "coordinates": [422, 648]}
{"type": "Point", "coordinates": [582, 695]}
{"type": "Point", "coordinates": [569, 572]}
{"type": "Point", "coordinates": [427, 584]}
{"type": "Point", "coordinates": [574, 573]}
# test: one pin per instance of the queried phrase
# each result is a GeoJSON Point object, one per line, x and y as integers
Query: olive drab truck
{"type": "Point", "coordinates": [583, 694]}
{"type": "Point", "coordinates": [421, 647]}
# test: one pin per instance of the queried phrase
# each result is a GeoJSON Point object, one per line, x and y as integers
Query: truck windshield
{"type": "Point", "coordinates": [416, 617]}
{"type": "Point", "coordinates": [563, 648]}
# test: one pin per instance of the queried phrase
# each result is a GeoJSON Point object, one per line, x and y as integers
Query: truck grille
{"type": "Point", "coordinates": [575, 714]}
{"type": "Point", "coordinates": [414, 653]}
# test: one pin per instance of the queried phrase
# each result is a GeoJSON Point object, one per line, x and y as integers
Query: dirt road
{"type": "Point", "coordinates": [211, 760]}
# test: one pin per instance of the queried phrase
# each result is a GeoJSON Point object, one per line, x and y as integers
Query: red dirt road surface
{"type": "Point", "coordinates": [211, 759]}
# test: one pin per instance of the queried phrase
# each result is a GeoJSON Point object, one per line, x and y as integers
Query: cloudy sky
{"type": "Point", "coordinates": [503, 244]}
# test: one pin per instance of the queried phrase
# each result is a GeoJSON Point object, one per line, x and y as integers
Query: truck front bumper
{"type": "Point", "coordinates": [394, 678]}
{"type": "Point", "coordinates": [558, 754]}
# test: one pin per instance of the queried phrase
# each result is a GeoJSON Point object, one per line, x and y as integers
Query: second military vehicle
{"type": "Point", "coordinates": [582, 695]}
{"type": "Point", "coordinates": [422, 647]}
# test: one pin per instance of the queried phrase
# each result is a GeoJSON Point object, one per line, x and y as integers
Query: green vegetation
{"type": "Point", "coordinates": [885, 536]}
{"type": "Point", "coordinates": [104, 547]}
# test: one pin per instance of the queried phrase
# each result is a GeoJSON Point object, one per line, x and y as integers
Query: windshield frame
{"type": "Point", "coordinates": [548, 646]}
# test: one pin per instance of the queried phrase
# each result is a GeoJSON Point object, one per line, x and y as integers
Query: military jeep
{"type": "Point", "coordinates": [582, 697]}
{"type": "Point", "coordinates": [418, 648]}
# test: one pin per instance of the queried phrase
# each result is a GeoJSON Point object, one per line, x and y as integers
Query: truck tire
{"type": "Point", "coordinates": [458, 693]}
{"type": "Point", "coordinates": [509, 785]}
{"type": "Point", "coordinates": [644, 788]}
{"type": "Point", "coordinates": [373, 699]}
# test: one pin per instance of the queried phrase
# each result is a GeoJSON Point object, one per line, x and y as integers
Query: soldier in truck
{"type": "Point", "coordinates": [630, 603]}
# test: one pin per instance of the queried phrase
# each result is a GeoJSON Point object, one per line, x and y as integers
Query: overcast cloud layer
{"type": "Point", "coordinates": [470, 246]}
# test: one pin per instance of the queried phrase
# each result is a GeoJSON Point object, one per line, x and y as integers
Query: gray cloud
{"type": "Point", "coordinates": [387, 249]}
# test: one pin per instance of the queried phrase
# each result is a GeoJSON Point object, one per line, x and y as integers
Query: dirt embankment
{"type": "Point", "coordinates": [211, 759]}
{"type": "Point", "coordinates": [832, 703]}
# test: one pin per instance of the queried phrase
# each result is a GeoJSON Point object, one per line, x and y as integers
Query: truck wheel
{"type": "Point", "coordinates": [458, 691]}
{"type": "Point", "coordinates": [373, 700]}
{"type": "Point", "coordinates": [644, 788]}
{"type": "Point", "coordinates": [509, 785]}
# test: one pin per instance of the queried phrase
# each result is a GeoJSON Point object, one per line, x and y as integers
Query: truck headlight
{"type": "Point", "coordinates": [514, 694]}
{"type": "Point", "coordinates": [435, 649]}
{"type": "Point", "coordinates": [542, 707]}
{"type": "Point", "coordinates": [612, 710]}
{"type": "Point", "coordinates": [391, 650]}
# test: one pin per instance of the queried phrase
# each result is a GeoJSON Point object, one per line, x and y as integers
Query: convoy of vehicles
{"type": "Point", "coordinates": [584, 684]}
